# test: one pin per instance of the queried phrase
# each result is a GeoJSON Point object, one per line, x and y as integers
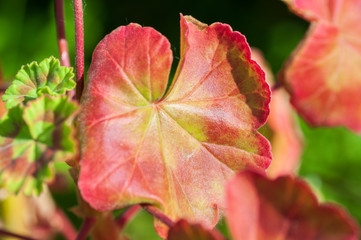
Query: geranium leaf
{"type": "Point", "coordinates": [313, 10]}
{"type": "Point", "coordinates": [182, 230]}
{"type": "Point", "coordinates": [31, 138]}
{"type": "Point", "coordinates": [34, 80]}
{"type": "Point", "coordinates": [175, 151]}
{"type": "Point", "coordinates": [284, 208]}
{"type": "Point", "coordinates": [323, 74]}
{"type": "Point", "coordinates": [281, 128]}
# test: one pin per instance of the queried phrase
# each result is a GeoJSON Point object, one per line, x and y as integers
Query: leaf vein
{"type": "Point", "coordinates": [126, 77]}
{"type": "Point", "coordinates": [115, 116]}
{"type": "Point", "coordinates": [172, 194]}
{"type": "Point", "coordinates": [202, 80]}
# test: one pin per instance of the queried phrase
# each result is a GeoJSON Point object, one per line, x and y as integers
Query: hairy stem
{"type": "Point", "coordinates": [79, 47]}
{"type": "Point", "coordinates": [276, 86]}
{"type": "Point", "coordinates": [127, 216]}
{"type": "Point", "coordinates": [3, 87]}
{"type": "Point", "coordinates": [10, 234]}
{"type": "Point", "coordinates": [158, 214]}
{"type": "Point", "coordinates": [62, 43]}
{"type": "Point", "coordinates": [64, 225]}
{"type": "Point", "coordinates": [85, 228]}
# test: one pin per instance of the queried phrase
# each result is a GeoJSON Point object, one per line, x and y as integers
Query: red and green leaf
{"type": "Point", "coordinates": [174, 150]}
{"type": "Point", "coordinates": [34, 80]}
{"type": "Point", "coordinates": [281, 129]}
{"type": "Point", "coordinates": [323, 75]}
{"type": "Point", "coordinates": [183, 230]}
{"type": "Point", "coordinates": [31, 138]}
{"type": "Point", "coordinates": [284, 208]}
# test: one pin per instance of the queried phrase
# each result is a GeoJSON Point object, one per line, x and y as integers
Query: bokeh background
{"type": "Point", "coordinates": [331, 159]}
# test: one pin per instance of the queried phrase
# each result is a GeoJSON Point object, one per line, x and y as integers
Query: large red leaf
{"type": "Point", "coordinates": [323, 75]}
{"type": "Point", "coordinates": [175, 151]}
{"type": "Point", "coordinates": [281, 129]}
{"type": "Point", "coordinates": [284, 208]}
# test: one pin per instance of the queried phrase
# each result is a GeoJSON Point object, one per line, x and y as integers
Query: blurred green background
{"type": "Point", "coordinates": [332, 157]}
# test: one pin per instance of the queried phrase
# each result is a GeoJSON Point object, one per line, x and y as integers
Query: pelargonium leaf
{"type": "Point", "coordinates": [31, 138]}
{"type": "Point", "coordinates": [283, 208]}
{"type": "Point", "coordinates": [34, 80]}
{"type": "Point", "coordinates": [174, 150]}
{"type": "Point", "coordinates": [323, 75]}
{"type": "Point", "coordinates": [183, 230]}
{"type": "Point", "coordinates": [314, 10]}
{"type": "Point", "coordinates": [281, 128]}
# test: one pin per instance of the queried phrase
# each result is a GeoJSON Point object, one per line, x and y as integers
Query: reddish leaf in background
{"type": "Point", "coordinates": [176, 150]}
{"type": "Point", "coordinates": [284, 208]}
{"type": "Point", "coordinates": [323, 75]}
{"type": "Point", "coordinates": [183, 230]}
{"type": "Point", "coordinates": [281, 129]}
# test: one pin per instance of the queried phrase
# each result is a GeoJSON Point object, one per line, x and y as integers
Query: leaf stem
{"type": "Point", "coordinates": [79, 47]}
{"type": "Point", "coordinates": [276, 86]}
{"type": "Point", "coordinates": [158, 214]}
{"type": "Point", "coordinates": [85, 228]}
{"type": "Point", "coordinates": [10, 234]}
{"type": "Point", "coordinates": [127, 216]}
{"type": "Point", "coordinates": [3, 87]}
{"type": "Point", "coordinates": [62, 43]}
{"type": "Point", "coordinates": [64, 225]}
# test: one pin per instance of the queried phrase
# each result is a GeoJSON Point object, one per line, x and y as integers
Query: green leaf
{"type": "Point", "coordinates": [34, 80]}
{"type": "Point", "coordinates": [31, 138]}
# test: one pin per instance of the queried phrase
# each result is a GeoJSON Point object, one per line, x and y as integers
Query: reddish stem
{"type": "Point", "coordinates": [62, 43]}
{"type": "Point", "coordinates": [64, 226]}
{"type": "Point", "coordinates": [158, 214]}
{"type": "Point", "coordinates": [276, 86]}
{"type": "Point", "coordinates": [85, 228]}
{"type": "Point", "coordinates": [127, 216]}
{"type": "Point", "coordinates": [79, 47]}
{"type": "Point", "coordinates": [3, 87]}
{"type": "Point", "coordinates": [10, 234]}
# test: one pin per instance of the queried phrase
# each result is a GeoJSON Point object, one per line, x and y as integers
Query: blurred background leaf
{"type": "Point", "coordinates": [332, 157]}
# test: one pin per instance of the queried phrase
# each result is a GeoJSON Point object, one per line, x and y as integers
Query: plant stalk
{"type": "Point", "coordinates": [85, 228]}
{"type": "Point", "coordinates": [158, 214]}
{"type": "Point", "coordinates": [276, 86]}
{"type": "Point", "coordinates": [79, 47]}
{"type": "Point", "coordinates": [3, 87]}
{"type": "Point", "coordinates": [64, 225]}
{"type": "Point", "coordinates": [60, 29]}
{"type": "Point", "coordinates": [127, 216]}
